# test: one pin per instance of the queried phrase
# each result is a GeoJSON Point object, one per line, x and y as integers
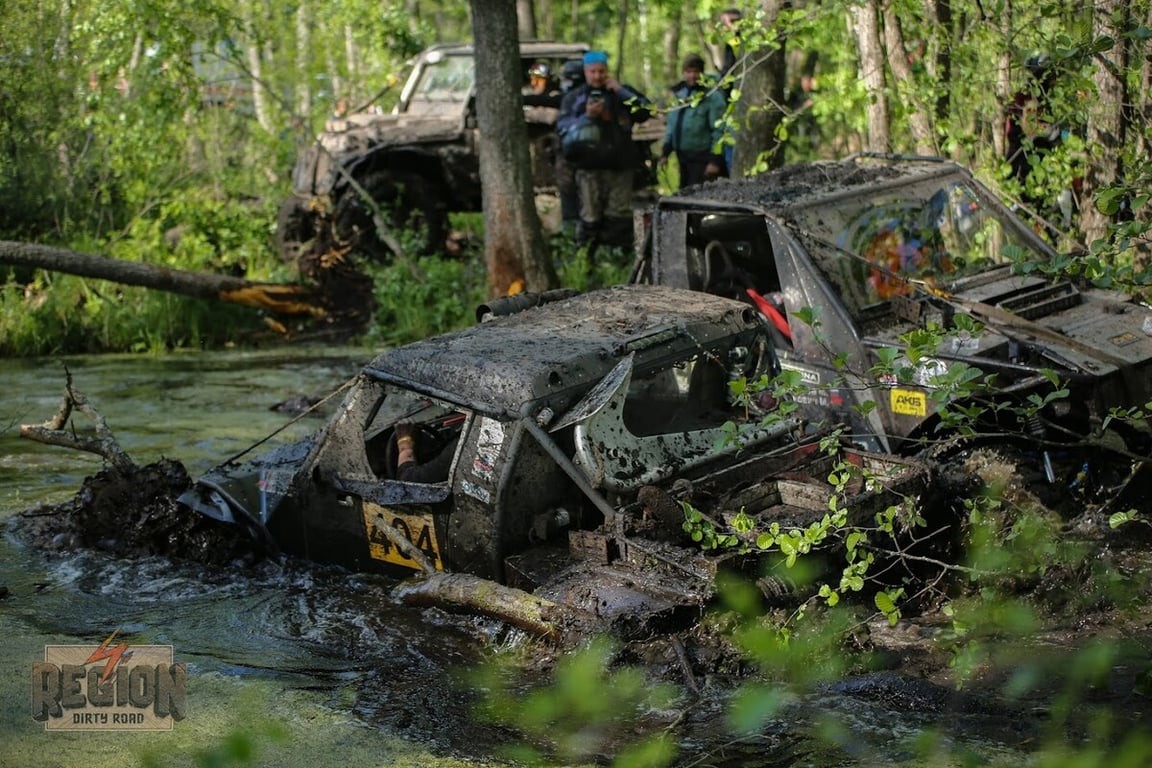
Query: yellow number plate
{"type": "Point", "coordinates": [909, 402]}
{"type": "Point", "coordinates": [417, 529]}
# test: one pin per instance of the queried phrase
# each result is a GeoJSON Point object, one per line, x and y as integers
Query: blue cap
{"type": "Point", "coordinates": [596, 57]}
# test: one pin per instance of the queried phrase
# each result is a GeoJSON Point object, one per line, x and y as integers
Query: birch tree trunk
{"type": "Point", "coordinates": [303, 88]}
{"type": "Point", "coordinates": [514, 247]}
{"type": "Point", "coordinates": [1003, 83]}
{"type": "Point", "coordinates": [919, 119]}
{"type": "Point", "coordinates": [866, 27]}
{"type": "Point", "coordinates": [352, 62]}
{"type": "Point", "coordinates": [256, 68]}
{"type": "Point", "coordinates": [1106, 122]}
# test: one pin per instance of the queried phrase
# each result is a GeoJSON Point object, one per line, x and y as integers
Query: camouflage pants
{"type": "Point", "coordinates": [604, 194]}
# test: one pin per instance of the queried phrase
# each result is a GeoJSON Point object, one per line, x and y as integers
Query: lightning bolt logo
{"type": "Point", "coordinates": [114, 656]}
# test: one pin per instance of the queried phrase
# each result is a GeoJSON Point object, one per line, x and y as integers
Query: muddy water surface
{"type": "Point", "coordinates": [321, 665]}
{"type": "Point", "coordinates": [325, 658]}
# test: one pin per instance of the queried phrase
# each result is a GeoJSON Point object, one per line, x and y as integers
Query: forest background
{"type": "Point", "coordinates": [166, 133]}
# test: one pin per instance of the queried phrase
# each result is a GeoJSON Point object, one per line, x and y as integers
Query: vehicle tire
{"type": "Point", "coordinates": [408, 202]}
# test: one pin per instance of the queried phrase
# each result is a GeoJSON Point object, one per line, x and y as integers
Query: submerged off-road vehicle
{"type": "Point", "coordinates": [884, 251]}
{"type": "Point", "coordinates": [556, 440]}
{"type": "Point", "coordinates": [418, 163]}
{"type": "Point", "coordinates": [545, 420]}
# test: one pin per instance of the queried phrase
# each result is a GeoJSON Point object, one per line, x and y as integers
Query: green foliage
{"type": "Point", "coordinates": [66, 314]}
{"type": "Point", "coordinates": [577, 268]}
{"type": "Point", "coordinates": [589, 707]}
{"type": "Point", "coordinates": [241, 746]}
{"type": "Point", "coordinates": [419, 298]}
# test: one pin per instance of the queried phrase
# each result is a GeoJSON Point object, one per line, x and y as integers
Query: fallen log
{"type": "Point", "coordinates": [533, 614]}
{"type": "Point", "coordinates": [462, 591]}
{"type": "Point", "coordinates": [271, 297]}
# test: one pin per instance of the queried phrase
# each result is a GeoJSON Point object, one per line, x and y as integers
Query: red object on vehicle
{"type": "Point", "coordinates": [770, 312]}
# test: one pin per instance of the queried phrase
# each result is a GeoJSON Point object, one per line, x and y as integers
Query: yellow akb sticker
{"type": "Point", "coordinates": [909, 402]}
{"type": "Point", "coordinates": [417, 529]}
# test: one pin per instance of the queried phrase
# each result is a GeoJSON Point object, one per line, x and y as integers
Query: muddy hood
{"type": "Point", "coordinates": [1092, 332]}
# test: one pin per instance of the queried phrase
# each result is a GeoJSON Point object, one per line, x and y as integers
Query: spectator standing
{"type": "Point", "coordinates": [730, 29]}
{"type": "Point", "coordinates": [694, 128]}
{"type": "Point", "coordinates": [595, 125]}
{"type": "Point", "coordinates": [571, 77]}
{"type": "Point", "coordinates": [1031, 133]}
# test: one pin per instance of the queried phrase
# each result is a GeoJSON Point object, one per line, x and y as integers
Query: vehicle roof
{"type": "Point", "coordinates": [556, 351]}
{"type": "Point", "coordinates": [802, 184]}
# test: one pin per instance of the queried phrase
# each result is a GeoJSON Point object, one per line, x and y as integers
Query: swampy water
{"type": "Point", "coordinates": [323, 656]}
{"type": "Point", "coordinates": [321, 665]}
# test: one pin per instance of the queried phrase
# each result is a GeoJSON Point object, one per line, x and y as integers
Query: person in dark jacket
{"type": "Point", "coordinates": [595, 127]}
{"type": "Point", "coordinates": [571, 77]}
{"type": "Point", "coordinates": [694, 127]}
{"type": "Point", "coordinates": [730, 29]}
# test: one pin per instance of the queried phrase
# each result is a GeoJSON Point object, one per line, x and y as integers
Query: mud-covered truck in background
{"type": "Point", "coordinates": [418, 163]}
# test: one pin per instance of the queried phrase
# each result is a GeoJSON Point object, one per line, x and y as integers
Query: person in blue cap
{"type": "Point", "coordinates": [595, 127]}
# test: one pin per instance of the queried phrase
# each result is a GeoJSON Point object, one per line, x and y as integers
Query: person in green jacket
{"type": "Point", "coordinates": [694, 127]}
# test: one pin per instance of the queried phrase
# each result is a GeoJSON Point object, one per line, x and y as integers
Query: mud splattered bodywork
{"type": "Point", "coordinates": [850, 258]}
{"type": "Point", "coordinates": [551, 418]}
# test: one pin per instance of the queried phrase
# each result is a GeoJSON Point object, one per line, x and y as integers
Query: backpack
{"type": "Point", "coordinates": [590, 144]}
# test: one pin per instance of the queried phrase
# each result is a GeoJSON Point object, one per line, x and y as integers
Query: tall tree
{"type": "Point", "coordinates": [670, 44]}
{"type": "Point", "coordinates": [1106, 121]}
{"type": "Point", "coordinates": [759, 108]}
{"type": "Point", "coordinates": [514, 247]}
{"type": "Point", "coordinates": [939, 14]}
{"type": "Point", "coordinates": [919, 117]}
{"type": "Point", "coordinates": [526, 19]}
{"type": "Point", "coordinates": [866, 24]}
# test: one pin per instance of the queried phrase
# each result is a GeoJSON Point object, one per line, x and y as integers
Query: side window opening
{"type": "Point", "coordinates": [735, 259]}
{"type": "Point", "coordinates": [437, 430]}
{"type": "Point", "coordinates": [690, 396]}
{"type": "Point", "coordinates": [653, 424]}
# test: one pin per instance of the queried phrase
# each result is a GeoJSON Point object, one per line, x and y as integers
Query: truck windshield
{"type": "Point", "coordinates": [936, 231]}
{"type": "Point", "coordinates": [446, 79]}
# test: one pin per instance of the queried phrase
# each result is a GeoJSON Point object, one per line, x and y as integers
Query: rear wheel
{"type": "Point", "coordinates": [406, 201]}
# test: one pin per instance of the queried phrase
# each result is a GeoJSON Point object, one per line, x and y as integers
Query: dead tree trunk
{"type": "Point", "coordinates": [272, 297]}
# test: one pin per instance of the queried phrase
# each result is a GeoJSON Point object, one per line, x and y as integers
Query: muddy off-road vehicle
{"type": "Point", "coordinates": [884, 249]}
{"type": "Point", "coordinates": [552, 414]}
{"type": "Point", "coordinates": [565, 429]}
{"type": "Point", "coordinates": [419, 163]}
